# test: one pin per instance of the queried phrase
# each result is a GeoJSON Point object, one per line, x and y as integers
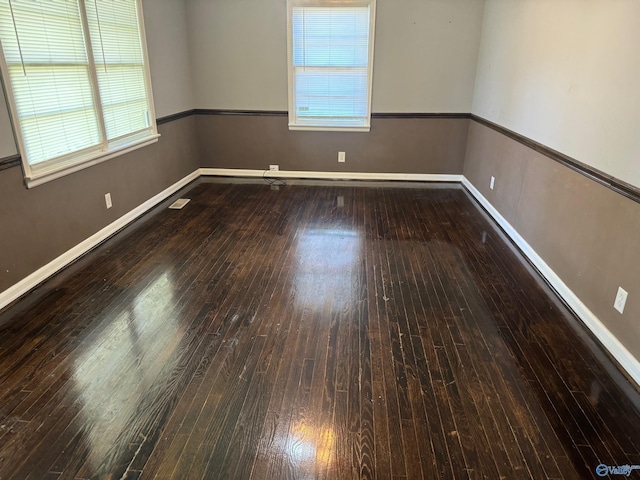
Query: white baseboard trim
{"type": "Point", "coordinates": [413, 177]}
{"type": "Point", "coordinates": [51, 268]}
{"type": "Point", "coordinates": [593, 323]}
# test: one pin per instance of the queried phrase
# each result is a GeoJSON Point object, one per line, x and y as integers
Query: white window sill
{"type": "Point", "coordinates": [61, 171]}
{"type": "Point", "coordinates": [312, 128]}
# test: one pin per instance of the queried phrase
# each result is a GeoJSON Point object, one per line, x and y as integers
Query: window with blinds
{"type": "Point", "coordinates": [77, 81]}
{"type": "Point", "coordinates": [330, 64]}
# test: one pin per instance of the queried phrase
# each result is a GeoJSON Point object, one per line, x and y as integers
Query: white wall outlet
{"type": "Point", "coordinates": [493, 182]}
{"type": "Point", "coordinates": [107, 200]}
{"type": "Point", "coordinates": [340, 201]}
{"type": "Point", "coordinates": [342, 157]}
{"type": "Point", "coordinates": [274, 168]}
{"type": "Point", "coordinates": [621, 300]}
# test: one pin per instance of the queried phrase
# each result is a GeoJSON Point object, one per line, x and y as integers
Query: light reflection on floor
{"type": "Point", "coordinates": [326, 262]}
{"type": "Point", "coordinates": [111, 397]}
{"type": "Point", "coordinates": [307, 449]}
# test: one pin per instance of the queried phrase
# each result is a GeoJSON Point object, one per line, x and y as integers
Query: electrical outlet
{"type": "Point", "coordinates": [493, 182]}
{"type": "Point", "coordinates": [621, 300]}
{"type": "Point", "coordinates": [107, 200]}
{"type": "Point", "coordinates": [340, 201]}
{"type": "Point", "coordinates": [342, 157]}
{"type": "Point", "coordinates": [274, 168]}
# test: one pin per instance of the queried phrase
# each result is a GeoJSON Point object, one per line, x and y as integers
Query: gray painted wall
{"type": "Point", "coordinates": [42, 223]}
{"type": "Point", "coordinates": [584, 231]}
{"type": "Point", "coordinates": [413, 145]}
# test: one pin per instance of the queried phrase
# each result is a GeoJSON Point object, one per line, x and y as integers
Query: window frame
{"type": "Point", "coordinates": [293, 119]}
{"type": "Point", "coordinates": [72, 162]}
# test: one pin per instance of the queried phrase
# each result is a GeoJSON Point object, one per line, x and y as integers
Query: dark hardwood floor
{"type": "Point", "coordinates": [314, 331]}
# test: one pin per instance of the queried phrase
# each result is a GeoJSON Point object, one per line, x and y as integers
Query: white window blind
{"type": "Point", "coordinates": [330, 71]}
{"type": "Point", "coordinates": [77, 78]}
{"type": "Point", "coordinates": [120, 68]}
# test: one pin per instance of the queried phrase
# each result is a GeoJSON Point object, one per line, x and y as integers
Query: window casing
{"type": "Point", "coordinates": [330, 56]}
{"type": "Point", "coordinates": [77, 82]}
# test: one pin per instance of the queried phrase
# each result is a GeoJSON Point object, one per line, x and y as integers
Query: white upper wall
{"type": "Point", "coordinates": [425, 54]}
{"type": "Point", "coordinates": [565, 73]}
{"type": "Point", "coordinates": [7, 142]}
{"type": "Point", "coordinates": [238, 53]}
{"type": "Point", "coordinates": [166, 28]}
